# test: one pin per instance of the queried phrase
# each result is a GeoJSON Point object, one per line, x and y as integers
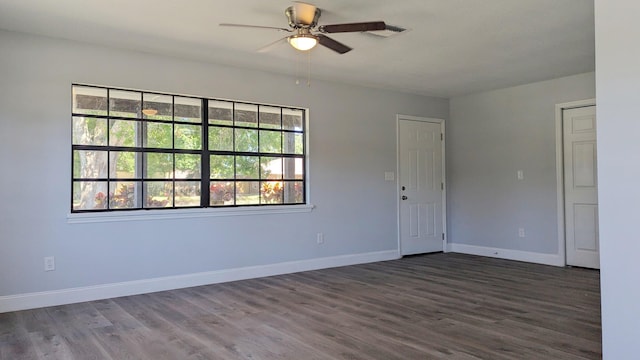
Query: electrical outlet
{"type": "Point", "coordinates": [521, 232]}
{"type": "Point", "coordinates": [320, 238]}
{"type": "Point", "coordinates": [49, 263]}
{"type": "Point", "coordinates": [520, 175]}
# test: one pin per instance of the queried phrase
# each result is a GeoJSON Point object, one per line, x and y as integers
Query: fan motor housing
{"type": "Point", "coordinates": [290, 12]}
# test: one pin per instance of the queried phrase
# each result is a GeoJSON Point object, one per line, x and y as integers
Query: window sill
{"type": "Point", "coordinates": [143, 215]}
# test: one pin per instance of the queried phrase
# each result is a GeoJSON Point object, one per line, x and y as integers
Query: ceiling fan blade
{"type": "Point", "coordinates": [353, 27]}
{"type": "Point", "coordinates": [332, 44]}
{"type": "Point", "coordinates": [257, 27]}
{"type": "Point", "coordinates": [304, 13]}
{"type": "Point", "coordinates": [272, 45]}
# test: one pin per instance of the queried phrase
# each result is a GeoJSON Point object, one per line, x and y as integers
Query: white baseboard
{"type": "Point", "coordinates": [526, 256]}
{"type": "Point", "coordinates": [106, 291]}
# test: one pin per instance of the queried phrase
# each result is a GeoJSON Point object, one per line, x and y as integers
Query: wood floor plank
{"type": "Point", "coordinates": [50, 345]}
{"type": "Point", "coordinates": [15, 342]}
{"type": "Point", "coordinates": [163, 336]}
{"type": "Point", "coordinates": [70, 325]}
{"type": "Point", "coordinates": [278, 317]}
{"type": "Point", "coordinates": [438, 306]}
{"type": "Point", "coordinates": [337, 327]}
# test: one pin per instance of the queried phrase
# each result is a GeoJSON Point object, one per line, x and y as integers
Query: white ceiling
{"type": "Point", "coordinates": [454, 47]}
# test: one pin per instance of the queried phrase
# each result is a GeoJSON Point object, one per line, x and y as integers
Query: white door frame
{"type": "Point", "coordinates": [562, 241]}
{"type": "Point", "coordinates": [399, 118]}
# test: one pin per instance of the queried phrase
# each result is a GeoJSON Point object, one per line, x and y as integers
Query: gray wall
{"type": "Point", "coordinates": [490, 136]}
{"type": "Point", "coordinates": [618, 93]}
{"type": "Point", "coordinates": [352, 144]}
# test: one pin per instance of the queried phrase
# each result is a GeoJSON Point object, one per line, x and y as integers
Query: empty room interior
{"type": "Point", "coordinates": [325, 180]}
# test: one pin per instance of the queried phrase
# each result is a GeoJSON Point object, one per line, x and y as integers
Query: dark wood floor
{"type": "Point", "coordinates": [440, 306]}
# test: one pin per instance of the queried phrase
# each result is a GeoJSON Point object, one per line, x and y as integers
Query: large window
{"type": "Point", "coordinates": [145, 150]}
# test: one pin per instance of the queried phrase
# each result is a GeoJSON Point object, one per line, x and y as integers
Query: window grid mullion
{"type": "Point", "coordinates": [304, 158]}
{"type": "Point", "coordinates": [205, 158]}
{"type": "Point", "coordinates": [173, 149]}
{"type": "Point", "coordinates": [235, 155]}
{"type": "Point", "coordinates": [108, 174]}
{"type": "Point", "coordinates": [282, 152]}
{"type": "Point", "coordinates": [259, 156]}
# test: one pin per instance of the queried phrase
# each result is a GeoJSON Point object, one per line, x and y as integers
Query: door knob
{"type": "Point", "coordinates": [404, 197]}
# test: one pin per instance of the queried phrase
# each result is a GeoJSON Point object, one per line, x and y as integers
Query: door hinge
{"type": "Point", "coordinates": [441, 136]}
{"type": "Point", "coordinates": [441, 186]}
{"type": "Point", "coordinates": [442, 236]}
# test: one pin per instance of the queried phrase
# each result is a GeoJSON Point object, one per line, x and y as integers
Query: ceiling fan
{"type": "Point", "coordinates": [303, 23]}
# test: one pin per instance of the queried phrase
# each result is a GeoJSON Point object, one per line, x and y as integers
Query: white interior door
{"type": "Point", "coordinates": [581, 187]}
{"type": "Point", "coordinates": [421, 187]}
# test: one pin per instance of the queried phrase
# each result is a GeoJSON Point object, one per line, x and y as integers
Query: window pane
{"type": "Point", "coordinates": [271, 192]}
{"type": "Point", "coordinates": [89, 131]}
{"type": "Point", "coordinates": [248, 192]}
{"type": "Point", "coordinates": [122, 164]}
{"type": "Point", "coordinates": [187, 193]}
{"type": "Point", "coordinates": [89, 100]}
{"type": "Point", "coordinates": [293, 168]}
{"type": "Point", "coordinates": [90, 195]}
{"type": "Point", "coordinates": [187, 167]}
{"type": "Point", "coordinates": [123, 133]}
{"type": "Point", "coordinates": [158, 107]}
{"type": "Point", "coordinates": [293, 192]}
{"type": "Point", "coordinates": [188, 109]}
{"type": "Point", "coordinates": [124, 194]}
{"type": "Point", "coordinates": [246, 115]}
{"type": "Point", "coordinates": [270, 117]}
{"type": "Point", "coordinates": [221, 193]}
{"type": "Point", "coordinates": [89, 164]}
{"type": "Point", "coordinates": [270, 141]}
{"type": "Point", "coordinates": [246, 140]}
{"type": "Point", "coordinates": [158, 166]}
{"type": "Point", "coordinates": [188, 137]}
{"type": "Point", "coordinates": [247, 167]}
{"type": "Point", "coordinates": [292, 119]}
{"type": "Point", "coordinates": [221, 167]}
{"type": "Point", "coordinates": [293, 143]}
{"type": "Point", "coordinates": [220, 139]}
{"type": "Point", "coordinates": [158, 194]}
{"type": "Point", "coordinates": [271, 168]}
{"type": "Point", "coordinates": [125, 103]}
{"type": "Point", "coordinates": [220, 112]}
{"type": "Point", "coordinates": [159, 135]}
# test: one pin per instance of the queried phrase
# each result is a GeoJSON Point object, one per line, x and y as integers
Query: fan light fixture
{"type": "Point", "coordinates": [303, 42]}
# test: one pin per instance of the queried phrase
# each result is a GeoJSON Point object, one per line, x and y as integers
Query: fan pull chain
{"type": "Point", "coordinates": [309, 69]}
{"type": "Point", "coordinates": [298, 63]}
{"type": "Point", "coordinates": [297, 68]}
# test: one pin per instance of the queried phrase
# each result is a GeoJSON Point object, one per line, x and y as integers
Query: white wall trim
{"type": "Point", "coordinates": [172, 214]}
{"type": "Point", "coordinates": [400, 117]}
{"type": "Point", "coordinates": [106, 291]}
{"type": "Point", "coordinates": [560, 171]}
{"type": "Point", "coordinates": [526, 256]}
